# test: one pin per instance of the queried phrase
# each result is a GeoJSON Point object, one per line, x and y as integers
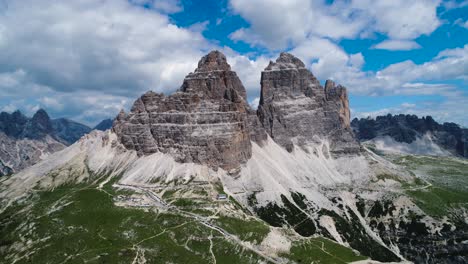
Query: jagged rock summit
{"type": "Point", "coordinates": [209, 121]}
{"type": "Point", "coordinates": [295, 109]}
{"type": "Point", "coordinates": [413, 135]}
{"type": "Point", "coordinates": [25, 141]}
{"type": "Point", "coordinates": [206, 121]}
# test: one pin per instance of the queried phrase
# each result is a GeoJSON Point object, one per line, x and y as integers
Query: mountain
{"type": "Point", "coordinates": [68, 131]}
{"type": "Point", "coordinates": [104, 125]}
{"type": "Point", "coordinates": [198, 176]}
{"type": "Point", "coordinates": [25, 141]}
{"type": "Point", "coordinates": [294, 108]}
{"type": "Point", "coordinates": [205, 122]}
{"type": "Point", "coordinates": [414, 135]}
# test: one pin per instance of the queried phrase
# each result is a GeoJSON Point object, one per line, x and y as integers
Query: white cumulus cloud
{"type": "Point", "coordinates": [397, 45]}
{"type": "Point", "coordinates": [291, 22]}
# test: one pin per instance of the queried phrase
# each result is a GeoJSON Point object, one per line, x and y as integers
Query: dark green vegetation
{"type": "Point", "coordinates": [248, 230]}
{"type": "Point", "coordinates": [321, 250]}
{"type": "Point", "coordinates": [353, 231]}
{"type": "Point", "coordinates": [441, 171]}
{"type": "Point", "coordinates": [406, 184]}
{"type": "Point", "coordinates": [81, 224]}
{"type": "Point", "coordinates": [294, 216]}
{"type": "Point", "coordinates": [438, 201]}
{"type": "Point", "coordinates": [440, 189]}
{"type": "Point", "coordinates": [78, 224]}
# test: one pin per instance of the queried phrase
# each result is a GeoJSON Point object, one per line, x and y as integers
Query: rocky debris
{"type": "Point", "coordinates": [408, 128]}
{"type": "Point", "coordinates": [104, 125]}
{"type": "Point", "coordinates": [25, 141]}
{"type": "Point", "coordinates": [206, 121]}
{"type": "Point", "coordinates": [420, 238]}
{"type": "Point", "coordinates": [294, 108]}
{"type": "Point", "coordinates": [18, 154]}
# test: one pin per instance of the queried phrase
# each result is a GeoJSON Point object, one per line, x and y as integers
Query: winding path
{"type": "Point", "coordinates": [201, 219]}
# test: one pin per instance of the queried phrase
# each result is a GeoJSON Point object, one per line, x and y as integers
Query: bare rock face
{"type": "Point", "coordinates": [206, 121]}
{"type": "Point", "coordinates": [339, 96]}
{"type": "Point", "coordinates": [18, 154]}
{"type": "Point", "coordinates": [25, 141]}
{"type": "Point", "coordinates": [294, 108]}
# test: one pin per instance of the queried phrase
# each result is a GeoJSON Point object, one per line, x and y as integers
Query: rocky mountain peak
{"type": "Point", "coordinates": [206, 121]}
{"type": "Point", "coordinates": [285, 61]}
{"type": "Point", "coordinates": [288, 58]}
{"type": "Point", "coordinates": [213, 79]}
{"type": "Point", "coordinates": [213, 61]}
{"type": "Point", "coordinates": [17, 115]}
{"type": "Point", "coordinates": [410, 129]}
{"type": "Point", "coordinates": [41, 118]}
{"type": "Point", "coordinates": [288, 78]}
{"type": "Point", "coordinates": [12, 124]}
{"type": "Point", "coordinates": [295, 109]}
{"type": "Point", "coordinates": [39, 126]}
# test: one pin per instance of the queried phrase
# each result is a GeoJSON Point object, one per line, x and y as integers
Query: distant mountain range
{"type": "Point", "coordinates": [24, 141]}
{"type": "Point", "coordinates": [414, 135]}
{"type": "Point", "coordinates": [104, 125]}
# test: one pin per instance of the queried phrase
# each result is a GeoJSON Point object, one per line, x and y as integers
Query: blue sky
{"type": "Point", "coordinates": [87, 59]}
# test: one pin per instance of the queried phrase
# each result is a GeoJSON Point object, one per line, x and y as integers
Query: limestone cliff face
{"type": "Point", "coordinates": [206, 121]}
{"type": "Point", "coordinates": [338, 98]}
{"type": "Point", "coordinates": [295, 109]}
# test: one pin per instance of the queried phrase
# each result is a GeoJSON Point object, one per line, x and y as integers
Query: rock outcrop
{"type": "Point", "coordinates": [409, 128]}
{"type": "Point", "coordinates": [25, 141]}
{"type": "Point", "coordinates": [18, 154]}
{"type": "Point", "coordinates": [18, 126]}
{"type": "Point", "coordinates": [295, 109]}
{"type": "Point", "coordinates": [206, 121]}
{"type": "Point", "coordinates": [39, 126]}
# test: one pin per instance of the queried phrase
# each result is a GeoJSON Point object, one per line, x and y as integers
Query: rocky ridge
{"type": "Point", "coordinates": [206, 121]}
{"type": "Point", "coordinates": [209, 121]}
{"type": "Point", "coordinates": [409, 128]}
{"type": "Point", "coordinates": [18, 126]}
{"type": "Point", "coordinates": [295, 109]}
{"type": "Point", "coordinates": [25, 141]}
